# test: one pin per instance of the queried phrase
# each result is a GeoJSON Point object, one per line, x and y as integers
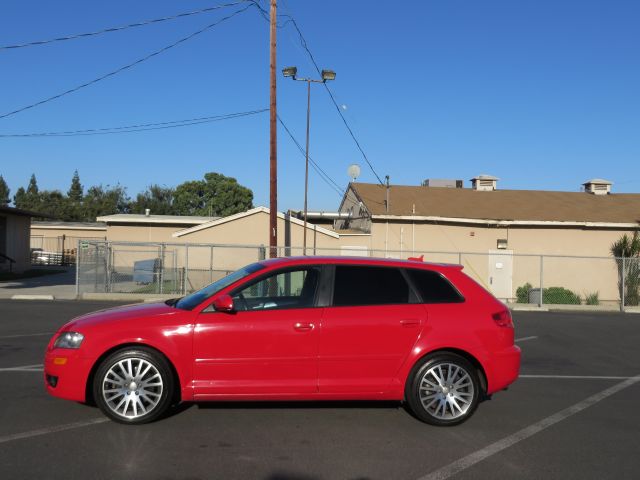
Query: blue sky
{"type": "Point", "coordinates": [542, 94]}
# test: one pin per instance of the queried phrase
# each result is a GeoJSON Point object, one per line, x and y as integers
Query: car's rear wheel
{"type": "Point", "coordinates": [134, 386]}
{"type": "Point", "coordinates": [443, 389]}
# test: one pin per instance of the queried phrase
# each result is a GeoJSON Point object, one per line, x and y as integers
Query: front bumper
{"type": "Point", "coordinates": [66, 373]}
{"type": "Point", "coordinates": [503, 369]}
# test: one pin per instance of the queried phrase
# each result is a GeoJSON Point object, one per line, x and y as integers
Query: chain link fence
{"type": "Point", "coordinates": [57, 250]}
{"type": "Point", "coordinates": [179, 268]}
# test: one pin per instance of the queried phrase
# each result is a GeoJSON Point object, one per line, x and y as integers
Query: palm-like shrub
{"type": "Point", "coordinates": [628, 247]}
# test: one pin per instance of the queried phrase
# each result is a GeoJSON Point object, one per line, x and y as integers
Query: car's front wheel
{"type": "Point", "coordinates": [443, 389]}
{"type": "Point", "coordinates": [134, 386]}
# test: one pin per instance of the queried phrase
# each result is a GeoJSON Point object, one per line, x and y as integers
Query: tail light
{"type": "Point", "coordinates": [503, 318]}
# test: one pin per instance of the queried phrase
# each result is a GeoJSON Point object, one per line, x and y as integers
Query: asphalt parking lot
{"type": "Point", "coordinates": [572, 414]}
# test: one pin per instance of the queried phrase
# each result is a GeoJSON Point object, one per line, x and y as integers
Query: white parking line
{"type": "Point", "coordinates": [524, 339]}
{"type": "Point", "coordinates": [55, 429]}
{"type": "Point", "coordinates": [27, 335]}
{"type": "Point", "coordinates": [24, 368]}
{"type": "Point", "coordinates": [479, 455]}
{"type": "Point", "coordinates": [576, 377]}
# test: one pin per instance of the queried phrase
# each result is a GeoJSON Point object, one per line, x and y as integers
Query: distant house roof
{"type": "Point", "coordinates": [22, 213]}
{"type": "Point", "coordinates": [253, 211]}
{"type": "Point", "coordinates": [500, 206]}
{"type": "Point", "coordinates": [133, 218]}
{"type": "Point", "coordinates": [69, 225]}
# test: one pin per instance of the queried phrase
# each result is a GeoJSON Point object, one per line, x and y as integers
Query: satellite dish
{"type": "Point", "coordinates": [353, 171]}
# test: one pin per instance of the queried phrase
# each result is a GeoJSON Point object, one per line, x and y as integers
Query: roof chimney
{"type": "Point", "coordinates": [484, 183]}
{"type": "Point", "coordinates": [147, 212]}
{"type": "Point", "coordinates": [597, 186]}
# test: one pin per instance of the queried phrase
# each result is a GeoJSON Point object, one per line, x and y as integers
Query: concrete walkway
{"type": "Point", "coordinates": [62, 286]}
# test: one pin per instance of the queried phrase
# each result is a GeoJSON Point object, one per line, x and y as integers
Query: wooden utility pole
{"type": "Point", "coordinates": [273, 151]}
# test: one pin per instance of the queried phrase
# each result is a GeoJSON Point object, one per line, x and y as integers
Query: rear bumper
{"type": "Point", "coordinates": [504, 369]}
{"type": "Point", "coordinates": [68, 371]}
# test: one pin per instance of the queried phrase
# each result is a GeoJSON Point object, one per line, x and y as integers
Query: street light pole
{"type": "Point", "coordinates": [326, 75]}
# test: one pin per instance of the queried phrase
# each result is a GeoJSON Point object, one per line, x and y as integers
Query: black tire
{"type": "Point", "coordinates": [145, 395]}
{"type": "Point", "coordinates": [466, 398]}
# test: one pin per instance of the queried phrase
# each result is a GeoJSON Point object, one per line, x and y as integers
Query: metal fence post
{"type": "Point", "coordinates": [109, 269]}
{"type": "Point", "coordinates": [78, 272]}
{"type": "Point", "coordinates": [541, 280]}
{"type": "Point", "coordinates": [161, 276]}
{"type": "Point", "coordinates": [186, 267]}
{"type": "Point", "coordinates": [262, 252]}
{"type": "Point", "coordinates": [95, 269]}
{"type": "Point", "coordinates": [211, 265]}
{"type": "Point", "coordinates": [622, 285]}
{"type": "Point", "coordinates": [459, 258]}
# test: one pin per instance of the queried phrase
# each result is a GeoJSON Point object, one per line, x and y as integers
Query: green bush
{"type": "Point", "coordinates": [592, 298]}
{"type": "Point", "coordinates": [522, 293]}
{"type": "Point", "coordinates": [560, 296]}
{"type": "Point", "coordinates": [553, 295]}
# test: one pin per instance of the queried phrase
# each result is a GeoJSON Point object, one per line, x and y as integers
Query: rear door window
{"type": "Point", "coordinates": [363, 285]}
{"type": "Point", "coordinates": [433, 287]}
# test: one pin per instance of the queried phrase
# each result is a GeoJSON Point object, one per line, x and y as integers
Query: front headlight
{"type": "Point", "coordinates": [68, 340]}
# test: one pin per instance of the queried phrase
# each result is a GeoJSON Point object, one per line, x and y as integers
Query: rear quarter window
{"type": "Point", "coordinates": [368, 285]}
{"type": "Point", "coordinates": [433, 287]}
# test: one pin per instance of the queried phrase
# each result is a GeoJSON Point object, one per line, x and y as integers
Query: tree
{"type": "Point", "coordinates": [75, 195]}
{"type": "Point", "coordinates": [4, 192]}
{"type": "Point", "coordinates": [158, 199]}
{"type": "Point", "coordinates": [627, 252]}
{"type": "Point", "coordinates": [216, 195]}
{"type": "Point", "coordinates": [28, 199]}
{"type": "Point", "coordinates": [54, 203]}
{"type": "Point", "coordinates": [107, 200]}
{"type": "Point", "coordinates": [76, 190]}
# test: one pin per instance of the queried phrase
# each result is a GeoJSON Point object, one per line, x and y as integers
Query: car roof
{"type": "Point", "coordinates": [365, 261]}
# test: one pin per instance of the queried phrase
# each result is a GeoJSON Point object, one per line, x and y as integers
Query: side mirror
{"type": "Point", "coordinates": [224, 303]}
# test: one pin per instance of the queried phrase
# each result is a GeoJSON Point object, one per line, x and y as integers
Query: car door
{"type": "Point", "coordinates": [368, 330]}
{"type": "Point", "coordinates": [268, 345]}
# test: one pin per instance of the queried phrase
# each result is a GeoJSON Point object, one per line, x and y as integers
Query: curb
{"type": "Point", "coordinates": [32, 297]}
{"type": "Point", "coordinates": [133, 297]}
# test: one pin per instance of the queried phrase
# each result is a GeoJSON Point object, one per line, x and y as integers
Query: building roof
{"type": "Point", "coordinates": [22, 213]}
{"type": "Point", "coordinates": [154, 219]}
{"type": "Point", "coordinates": [519, 206]}
{"type": "Point", "coordinates": [253, 211]}
{"type": "Point", "coordinates": [70, 225]}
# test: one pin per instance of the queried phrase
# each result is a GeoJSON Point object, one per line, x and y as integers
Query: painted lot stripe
{"type": "Point", "coordinates": [46, 431]}
{"type": "Point", "coordinates": [496, 447]}
{"type": "Point", "coordinates": [524, 339]}
{"type": "Point", "coordinates": [27, 335]}
{"type": "Point", "coordinates": [576, 377]}
{"type": "Point", "coordinates": [24, 368]}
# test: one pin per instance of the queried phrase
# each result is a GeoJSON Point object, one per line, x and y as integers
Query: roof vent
{"type": "Point", "coordinates": [597, 186]}
{"type": "Point", "coordinates": [484, 183]}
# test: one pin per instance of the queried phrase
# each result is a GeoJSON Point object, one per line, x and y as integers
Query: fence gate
{"type": "Point", "coordinates": [501, 273]}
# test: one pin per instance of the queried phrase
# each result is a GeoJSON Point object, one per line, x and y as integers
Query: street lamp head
{"type": "Point", "coordinates": [290, 72]}
{"type": "Point", "coordinates": [328, 75]}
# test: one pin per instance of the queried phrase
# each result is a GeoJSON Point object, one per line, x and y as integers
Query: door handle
{"type": "Point", "coordinates": [410, 322]}
{"type": "Point", "coordinates": [303, 326]}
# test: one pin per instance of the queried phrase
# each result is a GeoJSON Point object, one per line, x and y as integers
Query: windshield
{"type": "Point", "coordinates": [196, 298]}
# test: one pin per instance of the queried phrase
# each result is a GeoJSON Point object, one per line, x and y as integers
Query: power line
{"type": "Point", "coordinates": [119, 28]}
{"type": "Point", "coordinates": [323, 175]}
{"type": "Point", "coordinates": [128, 66]}
{"type": "Point", "coordinates": [303, 42]}
{"type": "Point", "coordinates": [136, 128]}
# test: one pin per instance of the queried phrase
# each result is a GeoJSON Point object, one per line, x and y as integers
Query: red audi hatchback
{"type": "Point", "coordinates": [306, 328]}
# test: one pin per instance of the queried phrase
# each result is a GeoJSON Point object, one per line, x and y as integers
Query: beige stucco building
{"type": "Point", "coordinates": [14, 239]}
{"type": "Point", "coordinates": [501, 233]}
